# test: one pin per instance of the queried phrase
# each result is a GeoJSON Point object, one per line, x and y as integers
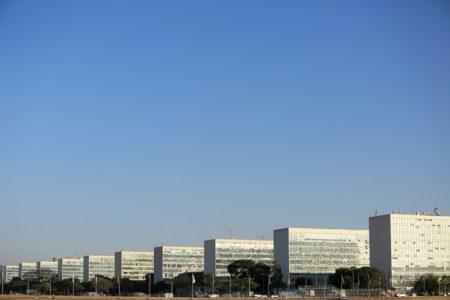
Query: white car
{"type": "Point", "coordinates": [401, 295]}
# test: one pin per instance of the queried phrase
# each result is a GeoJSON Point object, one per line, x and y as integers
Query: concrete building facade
{"type": "Point", "coordinates": [98, 265]}
{"type": "Point", "coordinates": [219, 253]}
{"type": "Point", "coordinates": [10, 272]}
{"type": "Point", "coordinates": [170, 261]}
{"type": "Point", "coordinates": [316, 253]}
{"type": "Point", "coordinates": [70, 267]}
{"type": "Point", "coordinates": [28, 271]}
{"type": "Point", "coordinates": [47, 268]}
{"type": "Point", "coordinates": [133, 265]}
{"type": "Point", "coordinates": [406, 246]}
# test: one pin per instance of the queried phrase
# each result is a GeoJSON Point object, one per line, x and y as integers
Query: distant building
{"type": "Point", "coordinates": [98, 265]}
{"type": "Point", "coordinates": [28, 271]}
{"type": "Point", "coordinates": [219, 253]}
{"type": "Point", "coordinates": [409, 246]}
{"type": "Point", "coordinates": [47, 268]}
{"type": "Point", "coordinates": [133, 265]}
{"type": "Point", "coordinates": [10, 272]}
{"type": "Point", "coordinates": [69, 268]}
{"type": "Point", "coordinates": [316, 253]}
{"type": "Point", "coordinates": [171, 261]}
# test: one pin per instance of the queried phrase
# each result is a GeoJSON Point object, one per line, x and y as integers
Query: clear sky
{"type": "Point", "coordinates": [127, 123]}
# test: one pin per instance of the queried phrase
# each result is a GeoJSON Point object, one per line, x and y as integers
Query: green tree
{"type": "Point", "coordinates": [105, 285]}
{"type": "Point", "coordinates": [183, 282]}
{"type": "Point", "coordinates": [365, 277]}
{"type": "Point", "coordinates": [161, 287]}
{"type": "Point", "coordinates": [240, 268]}
{"type": "Point", "coordinates": [64, 287]}
{"type": "Point", "coordinates": [427, 284]}
{"type": "Point", "coordinates": [220, 284]}
{"type": "Point", "coordinates": [302, 281]}
{"type": "Point", "coordinates": [126, 286]}
{"type": "Point", "coordinates": [42, 287]}
{"type": "Point", "coordinates": [267, 277]}
{"type": "Point", "coordinates": [16, 286]}
{"type": "Point", "coordinates": [445, 283]}
{"type": "Point", "coordinates": [344, 277]}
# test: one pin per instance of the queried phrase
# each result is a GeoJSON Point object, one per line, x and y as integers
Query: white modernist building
{"type": "Point", "coordinates": [133, 265]}
{"type": "Point", "coordinates": [9, 272]}
{"type": "Point", "coordinates": [406, 247]}
{"type": "Point", "coordinates": [219, 253]}
{"type": "Point", "coordinates": [316, 253]}
{"type": "Point", "coordinates": [98, 265]}
{"type": "Point", "coordinates": [47, 268]}
{"type": "Point", "coordinates": [69, 268]}
{"type": "Point", "coordinates": [28, 271]}
{"type": "Point", "coordinates": [170, 261]}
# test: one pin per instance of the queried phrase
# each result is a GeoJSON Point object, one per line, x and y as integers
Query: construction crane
{"type": "Point", "coordinates": [231, 229]}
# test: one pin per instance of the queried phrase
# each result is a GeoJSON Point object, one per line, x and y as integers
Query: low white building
{"type": "Point", "coordinates": [170, 261]}
{"type": "Point", "coordinates": [69, 268]}
{"type": "Point", "coordinates": [315, 252]}
{"type": "Point", "coordinates": [10, 272]}
{"type": "Point", "coordinates": [47, 268]}
{"type": "Point", "coordinates": [98, 265]}
{"type": "Point", "coordinates": [133, 265]}
{"type": "Point", "coordinates": [28, 271]}
{"type": "Point", "coordinates": [219, 253]}
{"type": "Point", "coordinates": [406, 246]}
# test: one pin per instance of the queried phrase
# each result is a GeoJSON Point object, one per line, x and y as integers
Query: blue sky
{"type": "Point", "coordinates": [128, 123]}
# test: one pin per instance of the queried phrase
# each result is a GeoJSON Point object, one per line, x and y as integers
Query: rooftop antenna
{"type": "Point", "coordinates": [231, 229]}
{"type": "Point", "coordinates": [375, 213]}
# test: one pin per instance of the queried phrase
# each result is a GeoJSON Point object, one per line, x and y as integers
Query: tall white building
{"type": "Point", "coordinates": [10, 272]}
{"type": "Point", "coordinates": [408, 246]}
{"type": "Point", "coordinates": [219, 253]}
{"type": "Point", "coordinates": [28, 271]}
{"type": "Point", "coordinates": [171, 261]}
{"type": "Point", "coordinates": [70, 267]}
{"type": "Point", "coordinates": [98, 265]}
{"type": "Point", "coordinates": [316, 253]}
{"type": "Point", "coordinates": [133, 265]}
{"type": "Point", "coordinates": [47, 268]}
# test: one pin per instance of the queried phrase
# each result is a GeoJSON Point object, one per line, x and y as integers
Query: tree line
{"type": "Point", "coordinates": [244, 276]}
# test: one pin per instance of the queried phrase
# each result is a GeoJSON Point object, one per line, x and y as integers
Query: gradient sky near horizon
{"type": "Point", "coordinates": [124, 124]}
